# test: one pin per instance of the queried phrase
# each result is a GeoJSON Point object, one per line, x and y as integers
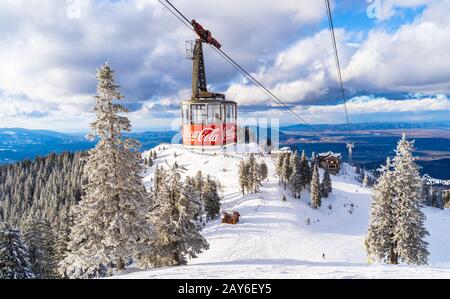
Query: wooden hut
{"type": "Point", "coordinates": [231, 218]}
{"type": "Point", "coordinates": [330, 161]}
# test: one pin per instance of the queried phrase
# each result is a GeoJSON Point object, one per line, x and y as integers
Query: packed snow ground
{"type": "Point", "coordinates": [273, 239]}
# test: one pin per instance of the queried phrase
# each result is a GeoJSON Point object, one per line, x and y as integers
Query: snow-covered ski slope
{"type": "Point", "coordinates": [273, 239]}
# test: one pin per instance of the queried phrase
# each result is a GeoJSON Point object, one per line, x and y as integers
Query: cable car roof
{"type": "Point", "coordinates": [208, 101]}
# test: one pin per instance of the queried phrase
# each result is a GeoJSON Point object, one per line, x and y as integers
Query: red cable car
{"type": "Point", "coordinates": [209, 120]}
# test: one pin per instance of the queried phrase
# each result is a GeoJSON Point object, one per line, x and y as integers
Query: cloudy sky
{"type": "Point", "coordinates": [395, 57]}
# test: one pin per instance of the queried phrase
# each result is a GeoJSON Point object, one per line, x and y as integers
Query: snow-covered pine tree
{"type": "Point", "coordinates": [358, 169]}
{"type": "Point", "coordinates": [14, 261]}
{"type": "Point", "coordinates": [426, 192]}
{"type": "Point", "coordinates": [327, 185]}
{"type": "Point", "coordinates": [255, 180]}
{"type": "Point", "coordinates": [313, 161]}
{"type": "Point", "coordinates": [361, 176]}
{"type": "Point", "coordinates": [316, 200]}
{"type": "Point", "coordinates": [296, 181]}
{"type": "Point", "coordinates": [195, 195]}
{"type": "Point", "coordinates": [409, 230]}
{"type": "Point", "coordinates": [174, 218]}
{"type": "Point", "coordinates": [446, 199]}
{"type": "Point", "coordinates": [163, 217]}
{"type": "Point", "coordinates": [211, 198]}
{"type": "Point", "coordinates": [158, 180]}
{"type": "Point", "coordinates": [243, 176]}
{"type": "Point", "coordinates": [62, 238]}
{"type": "Point", "coordinates": [366, 180]}
{"type": "Point", "coordinates": [286, 171]}
{"type": "Point", "coordinates": [437, 200]}
{"type": "Point", "coordinates": [379, 241]}
{"type": "Point", "coordinates": [149, 162]}
{"type": "Point", "coordinates": [39, 238]}
{"type": "Point", "coordinates": [263, 171]}
{"type": "Point", "coordinates": [306, 170]}
{"type": "Point", "coordinates": [279, 167]}
{"type": "Point", "coordinates": [190, 206]}
{"type": "Point", "coordinates": [199, 181]}
{"type": "Point", "coordinates": [110, 221]}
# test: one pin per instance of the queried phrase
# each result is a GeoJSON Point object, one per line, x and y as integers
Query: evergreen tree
{"type": "Point", "coordinates": [263, 171]}
{"type": "Point", "coordinates": [286, 171]}
{"type": "Point", "coordinates": [409, 230]}
{"type": "Point", "coordinates": [254, 177]}
{"type": "Point", "coordinates": [362, 176]}
{"type": "Point", "coordinates": [196, 197]}
{"type": "Point", "coordinates": [379, 240]}
{"type": "Point", "coordinates": [396, 230]}
{"type": "Point", "coordinates": [211, 198]}
{"type": "Point", "coordinates": [366, 181]}
{"type": "Point", "coordinates": [243, 176]}
{"type": "Point", "coordinates": [177, 231]}
{"type": "Point", "coordinates": [313, 162]}
{"type": "Point", "coordinates": [39, 238]}
{"type": "Point", "coordinates": [327, 185]}
{"type": "Point", "coordinates": [305, 170]}
{"type": "Point", "coordinates": [110, 225]}
{"type": "Point", "coordinates": [149, 162]}
{"type": "Point", "coordinates": [14, 261]}
{"type": "Point", "coordinates": [191, 206]}
{"type": "Point", "coordinates": [316, 200]}
{"type": "Point", "coordinates": [296, 180]}
{"type": "Point", "coordinates": [62, 237]}
{"type": "Point", "coordinates": [437, 200]}
{"type": "Point", "coordinates": [426, 192]}
{"type": "Point", "coordinates": [358, 170]}
{"type": "Point", "coordinates": [279, 167]}
{"type": "Point", "coordinates": [446, 199]}
{"type": "Point", "coordinates": [199, 181]}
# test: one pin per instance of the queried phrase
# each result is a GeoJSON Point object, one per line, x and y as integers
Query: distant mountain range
{"type": "Point", "coordinates": [369, 126]}
{"type": "Point", "coordinates": [17, 144]}
{"type": "Point", "coordinates": [372, 147]}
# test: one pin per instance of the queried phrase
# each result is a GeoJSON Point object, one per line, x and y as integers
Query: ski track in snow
{"type": "Point", "coordinates": [273, 240]}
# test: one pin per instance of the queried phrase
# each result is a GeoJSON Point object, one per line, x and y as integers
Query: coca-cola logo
{"type": "Point", "coordinates": [207, 135]}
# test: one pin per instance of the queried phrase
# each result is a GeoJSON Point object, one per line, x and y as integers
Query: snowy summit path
{"type": "Point", "coordinates": [273, 239]}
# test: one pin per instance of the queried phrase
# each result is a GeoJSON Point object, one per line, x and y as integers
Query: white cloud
{"type": "Point", "coordinates": [413, 58]}
{"type": "Point", "coordinates": [361, 109]}
{"type": "Point", "coordinates": [390, 8]}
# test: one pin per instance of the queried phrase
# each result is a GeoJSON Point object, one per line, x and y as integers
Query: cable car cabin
{"type": "Point", "coordinates": [209, 123]}
{"type": "Point", "coordinates": [209, 120]}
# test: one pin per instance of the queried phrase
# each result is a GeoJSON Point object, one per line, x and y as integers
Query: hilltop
{"type": "Point", "coordinates": [273, 239]}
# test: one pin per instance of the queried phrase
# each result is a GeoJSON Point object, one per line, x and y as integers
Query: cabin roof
{"type": "Point", "coordinates": [330, 154]}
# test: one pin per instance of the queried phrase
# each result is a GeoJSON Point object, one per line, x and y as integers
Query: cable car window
{"type": "Point", "coordinates": [185, 114]}
{"type": "Point", "coordinates": [214, 114]}
{"type": "Point", "coordinates": [230, 117]}
{"type": "Point", "coordinates": [198, 114]}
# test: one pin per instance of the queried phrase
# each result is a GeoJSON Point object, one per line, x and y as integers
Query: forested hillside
{"type": "Point", "coordinates": [44, 188]}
